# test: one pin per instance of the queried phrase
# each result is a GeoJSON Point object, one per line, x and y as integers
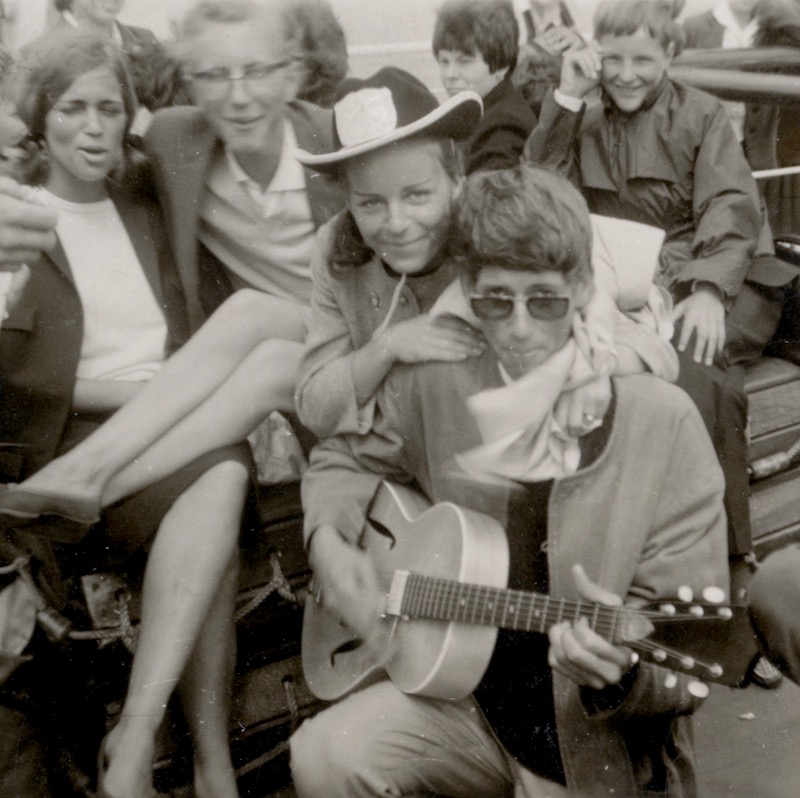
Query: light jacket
{"type": "Point", "coordinates": [350, 303]}
{"type": "Point", "coordinates": [645, 517]}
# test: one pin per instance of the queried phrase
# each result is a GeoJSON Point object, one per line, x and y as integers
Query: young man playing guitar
{"type": "Point", "coordinates": [632, 508]}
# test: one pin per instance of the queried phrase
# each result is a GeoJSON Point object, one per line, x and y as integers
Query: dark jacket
{"type": "Point", "coordinates": [503, 130]}
{"type": "Point", "coordinates": [182, 146]}
{"type": "Point", "coordinates": [40, 342]}
{"type": "Point", "coordinates": [761, 120]}
{"type": "Point", "coordinates": [674, 164]}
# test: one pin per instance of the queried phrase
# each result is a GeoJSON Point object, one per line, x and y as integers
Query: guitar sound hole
{"type": "Point", "coordinates": [346, 648]}
{"type": "Point", "coordinates": [384, 531]}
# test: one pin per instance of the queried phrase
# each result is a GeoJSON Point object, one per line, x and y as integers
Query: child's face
{"type": "Point", "coordinates": [401, 198]}
{"type": "Point", "coordinates": [632, 67]}
{"type": "Point", "coordinates": [461, 71]}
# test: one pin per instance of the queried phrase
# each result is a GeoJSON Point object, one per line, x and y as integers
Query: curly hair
{"type": "Point", "coordinates": [523, 219]}
{"type": "Point", "coordinates": [50, 66]}
{"type": "Point", "coordinates": [324, 51]}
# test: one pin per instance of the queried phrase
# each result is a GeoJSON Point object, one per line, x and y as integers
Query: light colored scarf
{"type": "Point", "coordinates": [522, 439]}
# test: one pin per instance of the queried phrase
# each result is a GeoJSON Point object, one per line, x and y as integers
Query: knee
{"type": "Point", "coordinates": [246, 303]}
{"type": "Point", "coordinates": [775, 589]}
{"type": "Point", "coordinates": [328, 761]}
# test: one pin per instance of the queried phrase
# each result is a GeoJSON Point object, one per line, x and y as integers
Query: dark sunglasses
{"type": "Point", "coordinates": [543, 308]}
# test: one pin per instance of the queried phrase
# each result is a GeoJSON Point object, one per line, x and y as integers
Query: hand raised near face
{"type": "Point", "coordinates": [580, 71]}
{"type": "Point", "coordinates": [27, 228]}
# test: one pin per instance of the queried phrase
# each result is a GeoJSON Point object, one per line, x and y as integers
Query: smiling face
{"type": "Point", "coordinates": [462, 71]}
{"type": "Point", "coordinates": [633, 67]}
{"type": "Point", "coordinates": [401, 199]}
{"type": "Point", "coordinates": [520, 341]}
{"type": "Point", "coordinates": [244, 112]}
{"type": "Point", "coordinates": [83, 134]}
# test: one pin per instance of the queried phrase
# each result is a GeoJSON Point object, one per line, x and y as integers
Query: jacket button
{"type": "Point", "coordinates": [375, 299]}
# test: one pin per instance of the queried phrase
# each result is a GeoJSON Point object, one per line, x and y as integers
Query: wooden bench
{"type": "Point", "coordinates": [773, 388]}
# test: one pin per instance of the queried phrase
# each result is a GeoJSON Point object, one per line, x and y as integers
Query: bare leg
{"type": "Point", "coordinates": [191, 555]}
{"type": "Point", "coordinates": [263, 382]}
{"type": "Point", "coordinates": [187, 379]}
{"type": "Point", "coordinates": [206, 696]}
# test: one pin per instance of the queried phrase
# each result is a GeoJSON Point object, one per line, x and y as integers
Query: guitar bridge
{"type": "Point", "coordinates": [397, 590]}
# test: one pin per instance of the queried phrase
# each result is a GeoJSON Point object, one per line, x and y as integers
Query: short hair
{"type": "Point", "coordinates": [523, 219]}
{"type": "Point", "coordinates": [349, 249]}
{"type": "Point", "coordinates": [625, 17]}
{"type": "Point", "coordinates": [51, 65]}
{"type": "Point", "coordinates": [488, 27]}
{"type": "Point", "coordinates": [206, 12]}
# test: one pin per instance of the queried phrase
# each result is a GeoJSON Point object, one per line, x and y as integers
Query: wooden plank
{"type": "Point", "coordinates": [777, 408]}
{"type": "Point", "coordinates": [775, 503]}
{"type": "Point", "coordinates": [767, 372]}
{"type": "Point", "coordinates": [772, 442]}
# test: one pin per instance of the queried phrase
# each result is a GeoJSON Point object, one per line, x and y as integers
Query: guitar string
{"type": "Point", "coordinates": [439, 586]}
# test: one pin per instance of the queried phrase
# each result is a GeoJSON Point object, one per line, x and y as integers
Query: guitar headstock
{"type": "Point", "coordinates": [711, 641]}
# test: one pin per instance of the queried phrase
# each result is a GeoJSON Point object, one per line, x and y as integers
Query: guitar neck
{"type": "Point", "coordinates": [416, 596]}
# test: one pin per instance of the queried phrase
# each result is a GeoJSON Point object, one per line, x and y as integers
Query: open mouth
{"type": "Point", "coordinates": [94, 154]}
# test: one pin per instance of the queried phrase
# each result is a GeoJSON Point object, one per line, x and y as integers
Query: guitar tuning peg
{"type": "Point", "coordinates": [726, 613]}
{"type": "Point", "coordinates": [670, 680]}
{"type": "Point", "coordinates": [667, 609]}
{"type": "Point", "coordinates": [715, 670]}
{"type": "Point", "coordinates": [685, 594]}
{"type": "Point", "coordinates": [696, 611]}
{"type": "Point", "coordinates": [713, 594]}
{"type": "Point", "coordinates": [659, 655]}
{"type": "Point", "coordinates": [698, 689]}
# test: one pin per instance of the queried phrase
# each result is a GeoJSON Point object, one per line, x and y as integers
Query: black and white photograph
{"type": "Point", "coordinates": [399, 398]}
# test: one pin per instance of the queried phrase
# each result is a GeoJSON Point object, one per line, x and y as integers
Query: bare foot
{"type": "Point", "coordinates": [125, 768]}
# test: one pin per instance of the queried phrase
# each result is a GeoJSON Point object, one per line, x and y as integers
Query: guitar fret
{"type": "Point", "coordinates": [595, 616]}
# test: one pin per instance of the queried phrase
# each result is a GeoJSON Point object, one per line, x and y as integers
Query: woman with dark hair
{"type": "Point", "coordinates": [94, 325]}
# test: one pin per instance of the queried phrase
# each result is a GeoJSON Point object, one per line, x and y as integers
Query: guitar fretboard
{"type": "Point", "coordinates": [448, 600]}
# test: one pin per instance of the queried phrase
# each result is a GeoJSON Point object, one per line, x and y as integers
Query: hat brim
{"type": "Point", "coordinates": [456, 118]}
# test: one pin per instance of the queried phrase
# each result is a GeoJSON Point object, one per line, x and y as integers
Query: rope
{"type": "Point", "coordinates": [278, 583]}
{"type": "Point", "coordinates": [283, 746]}
{"type": "Point", "coordinates": [125, 630]}
{"type": "Point", "coordinates": [774, 463]}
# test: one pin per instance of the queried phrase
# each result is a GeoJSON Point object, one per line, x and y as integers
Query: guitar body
{"type": "Point", "coordinates": [442, 563]}
{"type": "Point", "coordinates": [422, 657]}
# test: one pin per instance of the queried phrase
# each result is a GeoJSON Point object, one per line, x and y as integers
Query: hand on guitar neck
{"type": "Point", "coordinates": [446, 570]}
{"type": "Point", "coordinates": [582, 655]}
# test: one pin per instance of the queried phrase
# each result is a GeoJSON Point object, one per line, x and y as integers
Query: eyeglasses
{"type": "Point", "coordinates": [543, 308]}
{"type": "Point", "coordinates": [215, 83]}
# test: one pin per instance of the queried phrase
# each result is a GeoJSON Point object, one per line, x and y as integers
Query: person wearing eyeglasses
{"type": "Point", "coordinates": [637, 502]}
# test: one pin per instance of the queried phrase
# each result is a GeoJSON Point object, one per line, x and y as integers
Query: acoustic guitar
{"type": "Point", "coordinates": [446, 569]}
